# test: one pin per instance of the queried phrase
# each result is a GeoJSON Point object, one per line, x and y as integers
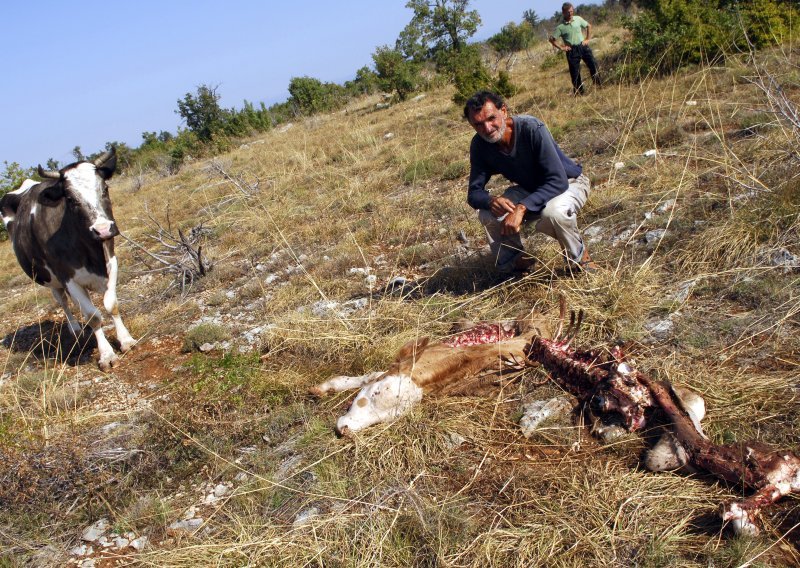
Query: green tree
{"type": "Point", "coordinates": [437, 25]}
{"type": "Point", "coordinates": [531, 18]}
{"type": "Point", "coordinates": [512, 38]}
{"type": "Point", "coordinates": [395, 72]}
{"type": "Point", "coordinates": [365, 83]}
{"type": "Point", "coordinates": [202, 113]}
{"type": "Point", "coordinates": [78, 154]}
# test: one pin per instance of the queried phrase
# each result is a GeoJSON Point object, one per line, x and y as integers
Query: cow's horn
{"type": "Point", "coordinates": [104, 157]}
{"type": "Point", "coordinates": [47, 175]}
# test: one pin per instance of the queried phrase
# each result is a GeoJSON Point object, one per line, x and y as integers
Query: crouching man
{"type": "Point", "coordinates": [550, 188]}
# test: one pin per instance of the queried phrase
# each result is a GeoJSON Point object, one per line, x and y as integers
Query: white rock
{"type": "Point", "coordinates": [660, 329]}
{"type": "Point", "coordinates": [358, 270]}
{"type": "Point", "coordinates": [666, 206]}
{"type": "Point", "coordinates": [139, 543]}
{"type": "Point", "coordinates": [538, 411]}
{"type": "Point", "coordinates": [82, 550]}
{"type": "Point", "coordinates": [619, 165]}
{"type": "Point", "coordinates": [650, 153]}
{"type": "Point", "coordinates": [206, 347]}
{"type": "Point", "coordinates": [92, 533]}
{"type": "Point", "coordinates": [230, 294]}
{"type": "Point", "coordinates": [622, 237]}
{"type": "Point", "coordinates": [418, 98]}
{"type": "Point", "coordinates": [285, 127]}
{"type": "Point", "coordinates": [654, 235]}
{"type": "Point", "coordinates": [186, 524]}
{"type": "Point", "coordinates": [691, 103]}
{"type": "Point", "coordinates": [270, 278]}
{"type": "Point", "coordinates": [371, 280]}
{"type": "Point", "coordinates": [189, 513]}
{"type": "Point", "coordinates": [121, 542]}
{"type": "Point", "coordinates": [780, 258]}
{"type": "Point", "coordinates": [305, 516]}
{"type": "Point", "coordinates": [88, 563]}
{"type": "Point", "coordinates": [388, 136]}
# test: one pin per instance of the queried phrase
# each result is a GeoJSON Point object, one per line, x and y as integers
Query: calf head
{"type": "Point", "coordinates": [82, 188]}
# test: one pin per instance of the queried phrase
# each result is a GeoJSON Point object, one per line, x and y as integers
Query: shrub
{"type": "Point", "coordinates": [202, 334]}
{"type": "Point", "coordinates": [312, 96]}
{"type": "Point", "coordinates": [671, 33]}
{"type": "Point", "coordinates": [395, 72]}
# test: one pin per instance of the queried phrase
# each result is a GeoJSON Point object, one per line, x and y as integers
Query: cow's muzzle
{"type": "Point", "coordinates": [104, 230]}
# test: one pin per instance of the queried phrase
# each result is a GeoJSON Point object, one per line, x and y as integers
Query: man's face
{"type": "Point", "coordinates": [490, 122]}
{"type": "Point", "coordinates": [568, 12]}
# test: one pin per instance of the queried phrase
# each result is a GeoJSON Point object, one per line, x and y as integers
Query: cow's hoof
{"type": "Point", "coordinates": [128, 345]}
{"type": "Point", "coordinates": [343, 432]}
{"type": "Point", "coordinates": [105, 365]}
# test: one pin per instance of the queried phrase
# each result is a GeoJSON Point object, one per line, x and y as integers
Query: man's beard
{"type": "Point", "coordinates": [497, 136]}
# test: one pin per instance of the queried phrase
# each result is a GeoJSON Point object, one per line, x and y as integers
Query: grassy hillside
{"type": "Point", "coordinates": [204, 441]}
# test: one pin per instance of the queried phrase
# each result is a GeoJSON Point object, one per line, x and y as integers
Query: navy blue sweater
{"type": "Point", "coordinates": [535, 163]}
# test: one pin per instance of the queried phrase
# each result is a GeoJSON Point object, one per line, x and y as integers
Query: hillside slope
{"type": "Point", "coordinates": [338, 238]}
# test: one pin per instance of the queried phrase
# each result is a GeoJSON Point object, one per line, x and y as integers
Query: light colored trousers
{"type": "Point", "coordinates": [559, 219]}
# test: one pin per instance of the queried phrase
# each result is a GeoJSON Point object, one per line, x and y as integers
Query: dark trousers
{"type": "Point", "coordinates": [575, 55]}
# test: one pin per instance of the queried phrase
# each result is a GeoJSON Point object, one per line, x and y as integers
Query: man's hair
{"type": "Point", "coordinates": [476, 102]}
{"type": "Point", "coordinates": [566, 5]}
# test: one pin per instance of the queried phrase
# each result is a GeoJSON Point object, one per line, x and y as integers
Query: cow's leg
{"type": "Point", "coordinates": [61, 297]}
{"type": "Point", "coordinates": [110, 304]}
{"type": "Point", "coordinates": [343, 383]}
{"type": "Point", "coordinates": [93, 318]}
{"type": "Point", "coordinates": [381, 401]}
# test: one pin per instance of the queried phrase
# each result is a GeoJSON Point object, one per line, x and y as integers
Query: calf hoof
{"type": "Point", "coordinates": [343, 432]}
{"type": "Point", "coordinates": [317, 392]}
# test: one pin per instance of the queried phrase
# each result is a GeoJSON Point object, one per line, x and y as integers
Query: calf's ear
{"type": "Point", "coordinates": [413, 348]}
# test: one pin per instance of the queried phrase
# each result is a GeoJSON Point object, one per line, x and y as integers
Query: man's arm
{"type": "Point", "coordinates": [554, 44]}
{"type": "Point", "coordinates": [588, 35]}
{"type": "Point", "coordinates": [552, 176]}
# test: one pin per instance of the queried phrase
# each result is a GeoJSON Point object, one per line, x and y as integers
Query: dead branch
{"type": "Point", "coordinates": [179, 254]}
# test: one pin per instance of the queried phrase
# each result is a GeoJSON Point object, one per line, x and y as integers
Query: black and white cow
{"type": "Point", "coordinates": [62, 231]}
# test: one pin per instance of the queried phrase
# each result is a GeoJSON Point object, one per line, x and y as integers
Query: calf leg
{"type": "Point", "coordinates": [110, 303]}
{"type": "Point", "coordinates": [61, 297]}
{"type": "Point", "coordinates": [94, 318]}
{"type": "Point", "coordinates": [343, 383]}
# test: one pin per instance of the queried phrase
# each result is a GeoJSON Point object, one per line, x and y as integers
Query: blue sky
{"type": "Point", "coordinates": [88, 72]}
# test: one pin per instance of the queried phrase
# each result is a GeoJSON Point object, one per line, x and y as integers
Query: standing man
{"type": "Point", "coordinates": [576, 46]}
{"type": "Point", "coordinates": [550, 188]}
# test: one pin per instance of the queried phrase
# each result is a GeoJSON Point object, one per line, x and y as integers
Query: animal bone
{"type": "Point", "coordinates": [613, 385]}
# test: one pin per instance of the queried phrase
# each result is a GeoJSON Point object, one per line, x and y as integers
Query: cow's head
{"type": "Point", "coordinates": [82, 186]}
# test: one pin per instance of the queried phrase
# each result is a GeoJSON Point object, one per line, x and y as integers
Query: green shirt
{"type": "Point", "coordinates": [571, 33]}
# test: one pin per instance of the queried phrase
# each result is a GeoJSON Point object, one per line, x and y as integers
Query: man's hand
{"type": "Point", "coordinates": [513, 221]}
{"type": "Point", "coordinates": [500, 206]}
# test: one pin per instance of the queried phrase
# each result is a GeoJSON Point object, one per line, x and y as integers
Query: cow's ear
{"type": "Point", "coordinates": [107, 164]}
{"type": "Point", "coordinates": [413, 348]}
{"type": "Point", "coordinates": [52, 194]}
{"type": "Point", "coordinates": [9, 204]}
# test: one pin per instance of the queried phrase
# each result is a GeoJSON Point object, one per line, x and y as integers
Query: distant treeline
{"type": "Point", "coordinates": [434, 50]}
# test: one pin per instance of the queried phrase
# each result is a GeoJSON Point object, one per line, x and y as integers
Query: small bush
{"type": "Point", "coordinates": [204, 333]}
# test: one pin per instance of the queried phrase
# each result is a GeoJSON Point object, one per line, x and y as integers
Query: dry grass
{"type": "Point", "coordinates": [301, 218]}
